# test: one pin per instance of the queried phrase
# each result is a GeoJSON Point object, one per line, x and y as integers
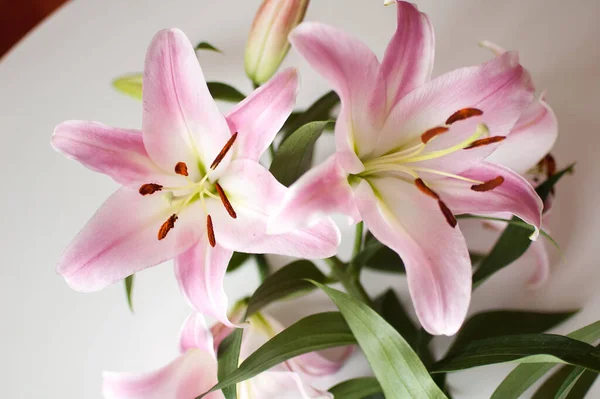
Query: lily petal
{"type": "Point", "coordinates": [352, 70]}
{"type": "Point", "coordinates": [281, 385]}
{"type": "Point", "coordinates": [121, 239]}
{"type": "Point", "coordinates": [542, 267]}
{"type": "Point", "coordinates": [321, 191]}
{"type": "Point", "coordinates": [254, 193]}
{"type": "Point", "coordinates": [200, 272]}
{"type": "Point", "coordinates": [530, 140]}
{"type": "Point", "coordinates": [118, 153]}
{"type": "Point", "coordinates": [435, 254]}
{"type": "Point", "coordinates": [261, 115]}
{"type": "Point", "coordinates": [188, 376]}
{"type": "Point", "coordinates": [181, 121]}
{"type": "Point", "coordinates": [408, 60]}
{"type": "Point", "coordinates": [195, 334]}
{"type": "Point", "coordinates": [317, 364]}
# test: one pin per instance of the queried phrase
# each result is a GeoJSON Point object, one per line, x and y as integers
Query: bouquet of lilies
{"type": "Point", "coordinates": [414, 156]}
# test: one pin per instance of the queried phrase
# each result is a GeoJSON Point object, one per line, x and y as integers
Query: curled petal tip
{"type": "Point", "coordinates": [536, 233]}
{"type": "Point", "coordinates": [493, 47]}
{"type": "Point", "coordinates": [388, 2]}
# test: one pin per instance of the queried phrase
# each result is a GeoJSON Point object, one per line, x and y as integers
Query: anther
{"type": "Point", "coordinates": [150, 188]}
{"type": "Point", "coordinates": [550, 165]}
{"type": "Point", "coordinates": [225, 201]}
{"type": "Point", "coordinates": [463, 114]}
{"type": "Point", "coordinates": [210, 231]}
{"type": "Point", "coordinates": [224, 151]}
{"type": "Point", "coordinates": [488, 185]}
{"type": "Point", "coordinates": [425, 189]}
{"type": "Point", "coordinates": [447, 214]}
{"type": "Point", "coordinates": [181, 169]}
{"type": "Point", "coordinates": [167, 226]}
{"type": "Point", "coordinates": [485, 141]}
{"type": "Point", "coordinates": [431, 133]}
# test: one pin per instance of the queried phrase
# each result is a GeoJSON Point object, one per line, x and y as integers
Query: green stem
{"type": "Point", "coordinates": [352, 285]}
{"type": "Point", "coordinates": [358, 239]}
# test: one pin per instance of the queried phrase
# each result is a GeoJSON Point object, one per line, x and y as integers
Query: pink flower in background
{"type": "Point", "coordinates": [195, 370]}
{"type": "Point", "coordinates": [192, 190]}
{"type": "Point", "coordinates": [411, 154]}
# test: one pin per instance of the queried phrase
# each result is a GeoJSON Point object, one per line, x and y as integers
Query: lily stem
{"type": "Point", "coordinates": [358, 239]}
{"type": "Point", "coordinates": [353, 287]}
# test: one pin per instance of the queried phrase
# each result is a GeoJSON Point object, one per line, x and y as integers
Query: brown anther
{"type": "Point", "coordinates": [181, 169]}
{"type": "Point", "coordinates": [210, 231]}
{"type": "Point", "coordinates": [225, 201]}
{"type": "Point", "coordinates": [431, 133]}
{"type": "Point", "coordinates": [150, 188]}
{"type": "Point", "coordinates": [464, 113]}
{"type": "Point", "coordinates": [488, 185]}
{"type": "Point", "coordinates": [485, 141]}
{"type": "Point", "coordinates": [167, 226]}
{"type": "Point", "coordinates": [550, 164]}
{"type": "Point", "coordinates": [223, 152]}
{"type": "Point", "coordinates": [425, 189]}
{"type": "Point", "coordinates": [447, 214]}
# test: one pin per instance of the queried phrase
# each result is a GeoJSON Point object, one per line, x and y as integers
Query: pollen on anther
{"type": "Point", "coordinates": [485, 141]}
{"type": "Point", "coordinates": [150, 188]}
{"type": "Point", "coordinates": [463, 114]}
{"type": "Point", "coordinates": [167, 226]}
{"type": "Point", "coordinates": [210, 231]}
{"type": "Point", "coordinates": [225, 201]}
{"type": "Point", "coordinates": [488, 185]}
{"type": "Point", "coordinates": [447, 214]}
{"type": "Point", "coordinates": [224, 151]}
{"type": "Point", "coordinates": [431, 133]}
{"type": "Point", "coordinates": [425, 189]}
{"type": "Point", "coordinates": [181, 169]}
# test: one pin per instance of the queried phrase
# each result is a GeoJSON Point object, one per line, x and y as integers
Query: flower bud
{"type": "Point", "coordinates": [268, 39]}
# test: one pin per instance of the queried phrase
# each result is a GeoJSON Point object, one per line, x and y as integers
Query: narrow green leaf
{"type": "Point", "coordinates": [357, 388]}
{"type": "Point", "coordinates": [396, 366]}
{"type": "Point", "coordinates": [583, 385]}
{"type": "Point", "coordinates": [569, 383]}
{"type": "Point", "coordinates": [129, 290]}
{"type": "Point", "coordinates": [390, 308]}
{"type": "Point", "coordinates": [286, 281]}
{"type": "Point", "coordinates": [524, 348]}
{"type": "Point", "coordinates": [294, 155]}
{"type": "Point", "coordinates": [313, 333]}
{"type": "Point", "coordinates": [549, 388]}
{"type": "Point", "coordinates": [237, 260]}
{"type": "Point", "coordinates": [506, 322]}
{"type": "Point", "coordinates": [207, 46]}
{"type": "Point", "coordinates": [546, 187]}
{"type": "Point", "coordinates": [228, 357]}
{"type": "Point", "coordinates": [525, 375]}
{"type": "Point", "coordinates": [320, 110]}
{"type": "Point", "coordinates": [224, 92]}
{"type": "Point", "coordinates": [130, 85]}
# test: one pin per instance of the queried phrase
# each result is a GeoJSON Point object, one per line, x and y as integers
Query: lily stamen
{"type": "Point", "coordinates": [488, 185]}
{"type": "Point", "coordinates": [463, 114]}
{"type": "Point", "coordinates": [167, 226]}
{"type": "Point", "coordinates": [150, 188]}
{"type": "Point", "coordinates": [447, 214]}
{"type": "Point", "coordinates": [210, 231]}
{"type": "Point", "coordinates": [431, 133]}
{"type": "Point", "coordinates": [224, 151]}
{"type": "Point", "coordinates": [485, 141]}
{"type": "Point", "coordinates": [425, 189]}
{"type": "Point", "coordinates": [225, 201]}
{"type": "Point", "coordinates": [181, 169]}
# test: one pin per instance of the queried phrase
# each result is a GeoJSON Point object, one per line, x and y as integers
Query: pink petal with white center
{"type": "Point", "coordinates": [122, 238]}
{"type": "Point", "coordinates": [261, 115]}
{"type": "Point", "coordinates": [188, 376]}
{"type": "Point", "coordinates": [501, 88]}
{"type": "Point", "coordinates": [200, 272]}
{"type": "Point", "coordinates": [181, 121]}
{"type": "Point", "coordinates": [281, 385]}
{"type": "Point", "coordinates": [254, 193]}
{"type": "Point", "coordinates": [352, 70]}
{"type": "Point", "coordinates": [408, 59]}
{"type": "Point", "coordinates": [435, 254]}
{"type": "Point", "coordinates": [321, 191]}
{"type": "Point", "coordinates": [514, 195]}
{"type": "Point", "coordinates": [530, 140]}
{"type": "Point", "coordinates": [195, 334]}
{"type": "Point", "coordinates": [118, 153]}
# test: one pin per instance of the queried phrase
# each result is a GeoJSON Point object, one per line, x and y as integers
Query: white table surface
{"type": "Point", "coordinates": [55, 342]}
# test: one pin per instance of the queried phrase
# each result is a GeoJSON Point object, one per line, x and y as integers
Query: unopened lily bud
{"type": "Point", "coordinates": [268, 39]}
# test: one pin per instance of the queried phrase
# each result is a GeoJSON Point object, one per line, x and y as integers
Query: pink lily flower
{"type": "Point", "coordinates": [411, 154]}
{"type": "Point", "coordinates": [526, 151]}
{"type": "Point", "coordinates": [193, 188]}
{"type": "Point", "coordinates": [195, 370]}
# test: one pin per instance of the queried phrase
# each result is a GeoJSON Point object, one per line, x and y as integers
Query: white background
{"type": "Point", "coordinates": [55, 342]}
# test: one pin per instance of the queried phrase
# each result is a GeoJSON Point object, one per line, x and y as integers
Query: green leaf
{"type": "Point", "coordinates": [396, 366]}
{"type": "Point", "coordinates": [294, 155]}
{"type": "Point", "coordinates": [525, 375]}
{"type": "Point", "coordinates": [551, 386]}
{"type": "Point", "coordinates": [506, 322]}
{"type": "Point", "coordinates": [128, 290]}
{"type": "Point", "coordinates": [237, 260]}
{"type": "Point", "coordinates": [390, 308]}
{"type": "Point", "coordinates": [357, 388]}
{"type": "Point", "coordinates": [583, 385]}
{"type": "Point", "coordinates": [319, 111]}
{"type": "Point", "coordinates": [569, 383]}
{"type": "Point", "coordinates": [286, 281]}
{"type": "Point", "coordinates": [207, 46]}
{"type": "Point", "coordinates": [377, 256]}
{"type": "Point", "coordinates": [228, 357]}
{"type": "Point", "coordinates": [224, 92]}
{"type": "Point", "coordinates": [546, 187]}
{"type": "Point", "coordinates": [524, 348]}
{"type": "Point", "coordinates": [130, 85]}
{"type": "Point", "coordinates": [313, 333]}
